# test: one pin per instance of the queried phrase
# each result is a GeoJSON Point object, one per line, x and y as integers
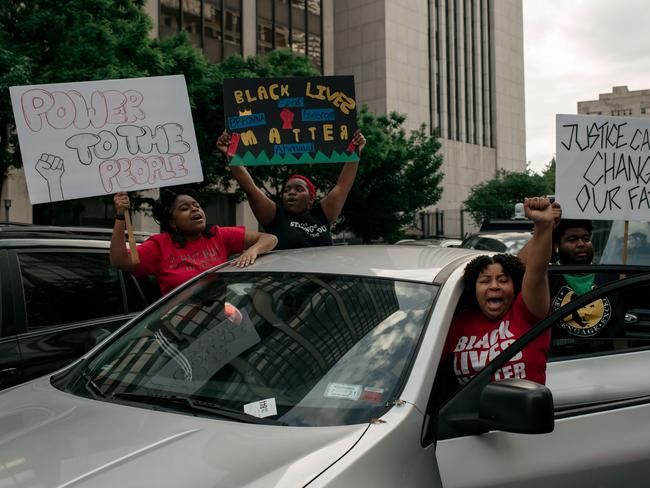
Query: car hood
{"type": "Point", "coordinates": [52, 438]}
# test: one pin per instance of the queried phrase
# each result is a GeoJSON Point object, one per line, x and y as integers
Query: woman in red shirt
{"type": "Point", "coordinates": [506, 300]}
{"type": "Point", "coordinates": [187, 246]}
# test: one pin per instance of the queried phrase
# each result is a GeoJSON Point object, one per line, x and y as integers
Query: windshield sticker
{"type": "Point", "coordinates": [372, 395]}
{"type": "Point", "coordinates": [262, 408]}
{"type": "Point", "coordinates": [341, 390]}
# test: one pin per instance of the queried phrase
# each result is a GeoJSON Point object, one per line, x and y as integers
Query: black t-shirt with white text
{"type": "Point", "coordinates": [602, 318]}
{"type": "Point", "coordinates": [310, 229]}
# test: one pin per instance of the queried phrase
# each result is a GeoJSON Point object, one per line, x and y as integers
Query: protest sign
{"type": "Point", "coordinates": [603, 167]}
{"type": "Point", "coordinates": [290, 120]}
{"type": "Point", "coordinates": [100, 137]}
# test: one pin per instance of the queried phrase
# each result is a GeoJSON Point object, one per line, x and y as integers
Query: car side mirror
{"type": "Point", "coordinates": [512, 405]}
{"type": "Point", "coordinates": [516, 405]}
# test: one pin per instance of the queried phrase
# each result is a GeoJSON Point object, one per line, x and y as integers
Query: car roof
{"type": "Point", "coordinates": [21, 231]}
{"type": "Point", "coordinates": [412, 263]}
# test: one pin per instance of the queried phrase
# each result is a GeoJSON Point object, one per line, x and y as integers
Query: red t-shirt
{"type": "Point", "coordinates": [474, 341]}
{"type": "Point", "coordinates": [173, 265]}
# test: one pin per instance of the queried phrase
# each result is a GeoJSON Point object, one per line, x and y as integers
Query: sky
{"type": "Point", "coordinates": [573, 51]}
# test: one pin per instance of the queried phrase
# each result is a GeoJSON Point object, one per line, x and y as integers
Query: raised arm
{"type": "Point", "coordinates": [255, 243]}
{"type": "Point", "coordinates": [262, 206]}
{"type": "Point", "coordinates": [333, 202]}
{"type": "Point", "coordinates": [535, 284]}
{"type": "Point", "coordinates": [118, 255]}
{"type": "Point", "coordinates": [557, 216]}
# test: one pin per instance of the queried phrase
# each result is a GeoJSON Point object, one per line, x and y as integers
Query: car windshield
{"type": "Point", "coordinates": [510, 243]}
{"type": "Point", "coordinates": [314, 349]}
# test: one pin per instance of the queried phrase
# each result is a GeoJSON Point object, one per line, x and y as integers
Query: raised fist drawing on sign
{"type": "Point", "coordinates": [50, 167]}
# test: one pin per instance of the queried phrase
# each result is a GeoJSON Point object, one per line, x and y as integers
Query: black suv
{"type": "Point", "coordinates": [59, 296]}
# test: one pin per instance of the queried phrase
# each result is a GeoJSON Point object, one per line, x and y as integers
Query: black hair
{"type": "Point", "coordinates": [511, 265]}
{"type": "Point", "coordinates": [565, 224]}
{"type": "Point", "coordinates": [162, 212]}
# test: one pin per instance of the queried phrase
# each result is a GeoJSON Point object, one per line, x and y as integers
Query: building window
{"type": "Point", "coordinates": [212, 38]}
{"type": "Point", "coordinates": [315, 33]}
{"type": "Point", "coordinates": [213, 25]}
{"type": "Point", "coordinates": [290, 24]}
{"type": "Point", "coordinates": [170, 16]}
{"type": "Point", "coordinates": [264, 26]}
{"type": "Point", "coordinates": [232, 32]}
{"type": "Point", "coordinates": [191, 17]}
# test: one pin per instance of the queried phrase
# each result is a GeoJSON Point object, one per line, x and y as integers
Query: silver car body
{"type": "Point", "coordinates": [50, 438]}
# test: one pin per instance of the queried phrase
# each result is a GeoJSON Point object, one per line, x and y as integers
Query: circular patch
{"type": "Point", "coordinates": [586, 321]}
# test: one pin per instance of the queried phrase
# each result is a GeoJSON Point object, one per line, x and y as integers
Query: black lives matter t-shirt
{"type": "Point", "coordinates": [310, 229]}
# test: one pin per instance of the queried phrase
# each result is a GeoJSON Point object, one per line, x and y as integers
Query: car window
{"type": "Point", "coordinates": [322, 349]}
{"type": "Point", "coordinates": [610, 240]}
{"type": "Point", "coordinates": [64, 287]}
{"type": "Point", "coordinates": [615, 323]}
{"type": "Point", "coordinates": [140, 292]}
{"type": "Point", "coordinates": [484, 244]}
{"type": "Point", "coordinates": [507, 242]}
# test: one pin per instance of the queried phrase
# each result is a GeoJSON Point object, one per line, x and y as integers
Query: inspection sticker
{"type": "Point", "coordinates": [262, 408]}
{"type": "Point", "coordinates": [342, 390]}
{"type": "Point", "coordinates": [372, 395]}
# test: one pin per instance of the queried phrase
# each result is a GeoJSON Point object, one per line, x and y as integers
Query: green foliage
{"type": "Point", "coordinates": [549, 177]}
{"type": "Point", "coordinates": [398, 175]}
{"type": "Point", "coordinates": [43, 41]}
{"type": "Point", "coordinates": [496, 198]}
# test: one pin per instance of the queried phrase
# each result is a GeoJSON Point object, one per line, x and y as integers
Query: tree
{"type": "Point", "coordinates": [86, 40]}
{"type": "Point", "coordinates": [496, 198]}
{"type": "Point", "coordinates": [398, 175]}
{"type": "Point", "coordinates": [549, 177]}
{"type": "Point", "coordinates": [41, 42]}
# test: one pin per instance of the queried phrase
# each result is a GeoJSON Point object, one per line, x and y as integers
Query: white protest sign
{"type": "Point", "coordinates": [100, 137]}
{"type": "Point", "coordinates": [603, 167]}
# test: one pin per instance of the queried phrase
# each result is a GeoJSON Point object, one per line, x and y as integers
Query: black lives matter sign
{"type": "Point", "coordinates": [290, 120]}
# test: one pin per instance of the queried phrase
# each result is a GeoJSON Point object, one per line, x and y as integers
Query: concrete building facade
{"type": "Point", "coordinates": [620, 101]}
{"type": "Point", "coordinates": [454, 65]}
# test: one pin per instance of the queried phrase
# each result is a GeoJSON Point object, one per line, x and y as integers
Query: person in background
{"type": "Point", "coordinates": [603, 317]}
{"type": "Point", "coordinates": [505, 300]}
{"type": "Point", "coordinates": [187, 246]}
{"type": "Point", "coordinates": [301, 220]}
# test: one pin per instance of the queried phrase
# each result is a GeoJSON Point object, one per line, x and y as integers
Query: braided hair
{"type": "Point", "coordinates": [162, 211]}
{"type": "Point", "coordinates": [511, 265]}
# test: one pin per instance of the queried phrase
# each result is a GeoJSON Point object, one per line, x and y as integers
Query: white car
{"type": "Point", "coordinates": [316, 368]}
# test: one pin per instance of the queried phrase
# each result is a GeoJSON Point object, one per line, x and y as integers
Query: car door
{"type": "Point", "coordinates": [72, 299]}
{"type": "Point", "coordinates": [10, 360]}
{"type": "Point", "coordinates": [601, 435]}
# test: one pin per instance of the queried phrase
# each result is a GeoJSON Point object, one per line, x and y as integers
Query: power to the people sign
{"type": "Point", "coordinates": [290, 120]}
{"type": "Point", "coordinates": [603, 167]}
{"type": "Point", "coordinates": [100, 137]}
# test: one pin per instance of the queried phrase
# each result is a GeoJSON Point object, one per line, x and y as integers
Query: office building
{"type": "Point", "coordinates": [454, 65]}
{"type": "Point", "coordinates": [620, 101]}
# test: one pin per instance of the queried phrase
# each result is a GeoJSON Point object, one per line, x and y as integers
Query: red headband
{"type": "Point", "coordinates": [310, 185]}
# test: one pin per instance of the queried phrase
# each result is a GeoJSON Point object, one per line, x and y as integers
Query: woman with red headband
{"type": "Point", "coordinates": [301, 221]}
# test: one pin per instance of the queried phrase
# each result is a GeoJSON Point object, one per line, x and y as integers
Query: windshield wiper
{"type": "Point", "coordinates": [91, 386]}
{"type": "Point", "coordinates": [196, 406]}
